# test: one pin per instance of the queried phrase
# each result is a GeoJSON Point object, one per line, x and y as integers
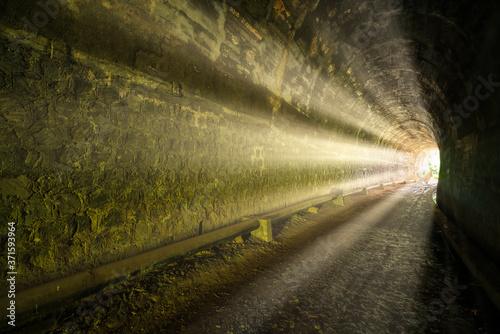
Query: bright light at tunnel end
{"type": "Point", "coordinates": [428, 167]}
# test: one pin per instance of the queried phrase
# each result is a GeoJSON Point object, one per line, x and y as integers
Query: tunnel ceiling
{"type": "Point", "coordinates": [409, 59]}
{"type": "Point", "coordinates": [402, 63]}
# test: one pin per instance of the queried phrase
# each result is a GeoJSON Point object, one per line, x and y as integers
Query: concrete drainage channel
{"type": "Point", "coordinates": [45, 297]}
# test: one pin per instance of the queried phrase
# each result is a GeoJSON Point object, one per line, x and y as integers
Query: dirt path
{"type": "Point", "coordinates": [377, 265]}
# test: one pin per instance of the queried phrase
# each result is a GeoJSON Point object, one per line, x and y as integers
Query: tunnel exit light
{"type": "Point", "coordinates": [429, 168]}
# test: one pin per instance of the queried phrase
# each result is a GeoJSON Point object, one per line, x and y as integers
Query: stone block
{"type": "Point", "coordinates": [265, 231]}
{"type": "Point", "coordinates": [313, 209]}
{"type": "Point", "coordinates": [19, 187]}
{"type": "Point", "coordinates": [339, 200]}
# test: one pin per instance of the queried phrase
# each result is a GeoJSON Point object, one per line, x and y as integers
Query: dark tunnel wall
{"type": "Point", "coordinates": [128, 125]}
{"type": "Point", "coordinates": [464, 60]}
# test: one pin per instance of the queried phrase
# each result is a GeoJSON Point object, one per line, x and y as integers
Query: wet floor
{"type": "Point", "coordinates": [377, 265]}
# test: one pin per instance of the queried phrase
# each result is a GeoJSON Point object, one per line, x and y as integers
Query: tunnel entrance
{"type": "Point", "coordinates": [428, 169]}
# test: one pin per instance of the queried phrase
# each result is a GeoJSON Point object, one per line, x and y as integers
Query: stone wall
{"type": "Point", "coordinates": [100, 161]}
{"type": "Point", "coordinates": [464, 100]}
{"type": "Point", "coordinates": [469, 188]}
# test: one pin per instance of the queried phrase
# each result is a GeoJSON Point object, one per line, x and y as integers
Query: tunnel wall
{"type": "Point", "coordinates": [106, 155]}
{"type": "Point", "coordinates": [469, 180]}
{"type": "Point", "coordinates": [469, 118]}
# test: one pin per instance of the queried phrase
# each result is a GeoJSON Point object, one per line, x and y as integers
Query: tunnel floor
{"type": "Point", "coordinates": [377, 265]}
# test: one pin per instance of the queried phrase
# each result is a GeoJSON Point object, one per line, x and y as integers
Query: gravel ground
{"type": "Point", "coordinates": [377, 265]}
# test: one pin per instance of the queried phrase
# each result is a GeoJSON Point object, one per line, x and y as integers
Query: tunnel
{"type": "Point", "coordinates": [130, 126]}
